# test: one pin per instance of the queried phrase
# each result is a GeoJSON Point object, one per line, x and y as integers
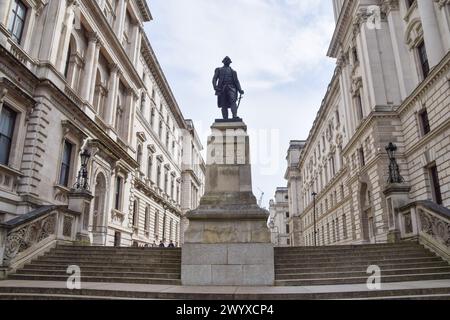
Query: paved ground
{"type": "Point", "coordinates": [228, 290]}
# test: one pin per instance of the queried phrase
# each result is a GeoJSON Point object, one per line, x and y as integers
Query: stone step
{"type": "Point", "coordinates": [121, 253]}
{"type": "Point", "coordinates": [150, 275]}
{"type": "Point", "coordinates": [286, 270]}
{"type": "Point", "coordinates": [338, 260]}
{"type": "Point", "coordinates": [360, 263]}
{"type": "Point", "coordinates": [96, 263]}
{"type": "Point", "coordinates": [116, 249]}
{"type": "Point", "coordinates": [112, 268]}
{"type": "Point", "coordinates": [369, 247]}
{"type": "Point", "coordinates": [111, 257]}
{"type": "Point", "coordinates": [348, 274]}
{"type": "Point", "coordinates": [362, 280]}
{"type": "Point", "coordinates": [37, 297]}
{"type": "Point", "coordinates": [34, 277]}
{"type": "Point", "coordinates": [300, 254]}
{"type": "Point", "coordinates": [411, 297]}
{"type": "Point", "coordinates": [109, 260]}
{"type": "Point", "coordinates": [31, 290]}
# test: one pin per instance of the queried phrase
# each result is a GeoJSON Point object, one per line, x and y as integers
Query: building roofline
{"type": "Point", "coordinates": [161, 80]}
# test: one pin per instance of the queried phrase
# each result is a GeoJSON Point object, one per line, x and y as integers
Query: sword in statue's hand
{"type": "Point", "coordinates": [241, 95]}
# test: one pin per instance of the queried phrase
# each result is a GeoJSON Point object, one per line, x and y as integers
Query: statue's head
{"type": "Point", "coordinates": [227, 61]}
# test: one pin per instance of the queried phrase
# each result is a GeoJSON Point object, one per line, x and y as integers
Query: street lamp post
{"type": "Point", "coordinates": [315, 229]}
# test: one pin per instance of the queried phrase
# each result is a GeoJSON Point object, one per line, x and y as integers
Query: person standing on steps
{"type": "Point", "coordinates": [161, 244]}
{"type": "Point", "coordinates": [171, 245]}
{"type": "Point", "coordinates": [227, 86]}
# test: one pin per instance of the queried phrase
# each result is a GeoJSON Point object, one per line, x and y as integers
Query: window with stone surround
{"type": "Point", "coordinates": [344, 226]}
{"type": "Point", "coordinates": [424, 123]}
{"type": "Point", "coordinates": [423, 59]}
{"type": "Point", "coordinates": [7, 127]}
{"type": "Point", "coordinates": [147, 221]}
{"type": "Point", "coordinates": [66, 163]}
{"type": "Point", "coordinates": [118, 193]}
{"type": "Point", "coordinates": [156, 225]}
{"type": "Point", "coordinates": [150, 166]}
{"type": "Point", "coordinates": [17, 19]}
{"type": "Point", "coordinates": [435, 184]}
{"type": "Point", "coordinates": [359, 106]}
{"type": "Point", "coordinates": [135, 221]}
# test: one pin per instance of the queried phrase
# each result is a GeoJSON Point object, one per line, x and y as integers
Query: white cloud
{"type": "Point", "coordinates": [278, 48]}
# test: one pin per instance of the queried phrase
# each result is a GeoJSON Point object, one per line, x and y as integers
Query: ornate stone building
{"type": "Point", "coordinates": [391, 84]}
{"type": "Point", "coordinates": [280, 220]}
{"type": "Point", "coordinates": [82, 75]}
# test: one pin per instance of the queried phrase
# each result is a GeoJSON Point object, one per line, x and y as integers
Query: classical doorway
{"type": "Point", "coordinates": [368, 231]}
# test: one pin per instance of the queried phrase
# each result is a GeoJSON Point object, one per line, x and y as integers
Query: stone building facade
{"type": "Point", "coordinates": [391, 84]}
{"type": "Point", "coordinates": [82, 75]}
{"type": "Point", "coordinates": [280, 220]}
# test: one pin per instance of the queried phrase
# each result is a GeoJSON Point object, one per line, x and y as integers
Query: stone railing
{"type": "Point", "coordinates": [29, 235]}
{"type": "Point", "coordinates": [427, 222]}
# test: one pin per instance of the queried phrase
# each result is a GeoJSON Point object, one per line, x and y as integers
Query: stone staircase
{"type": "Point", "coordinates": [319, 266]}
{"type": "Point", "coordinates": [408, 271]}
{"type": "Point", "coordinates": [106, 264]}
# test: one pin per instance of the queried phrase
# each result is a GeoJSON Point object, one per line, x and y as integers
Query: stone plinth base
{"type": "Point", "coordinates": [228, 242]}
{"type": "Point", "coordinates": [232, 264]}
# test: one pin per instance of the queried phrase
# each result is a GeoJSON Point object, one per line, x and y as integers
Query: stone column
{"type": "Point", "coordinates": [406, 77]}
{"type": "Point", "coordinates": [132, 99]}
{"type": "Point", "coordinates": [120, 21]}
{"type": "Point", "coordinates": [94, 71]}
{"type": "Point", "coordinates": [136, 47]}
{"type": "Point", "coordinates": [432, 35]}
{"type": "Point", "coordinates": [4, 11]}
{"type": "Point", "coordinates": [70, 15]}
{"type": "Point", "coordinates": [110, 107]}
{"type": "Point", "coordinates": [51, 34]}
{"type": "Point", "coordinates": [88, 68]}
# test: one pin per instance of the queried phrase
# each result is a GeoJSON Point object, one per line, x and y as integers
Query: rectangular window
{"type": "Point", "coordinates": [118, 192]}
{"type": "Point", "coordinates": [424, 122]}
{"type": "Point", "coordinates": [7, 124]}
{"type": "Point", "coordinates": [362, 158]}
{"type": "Point", "coordinates": [65, 164]}
{"type": "Point", "coordinates": [288, 229]}
{"type": "Point", "coordinates": [359, 107]}
{"type": "Point", "coordinates": [423, 57]}
{"type": "Point", "coordinates": [17, 20]}
{"type": "Point", "coordinates": [156, 231]}
{"type": "Point", "coordinates": [435, 186]}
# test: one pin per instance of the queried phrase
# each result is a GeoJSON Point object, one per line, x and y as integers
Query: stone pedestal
{"type": "Point", "coordinates": [80, 201]}
{"type": "Point", "coordinates": [397, 196]}
{"type": "Point", "coordinates": [228, 241]}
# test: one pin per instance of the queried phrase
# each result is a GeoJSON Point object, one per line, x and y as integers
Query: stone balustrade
{"type": "Point", "coordinates": [28, 235]}
{"type": "Point", "coordinates": [428, 222]}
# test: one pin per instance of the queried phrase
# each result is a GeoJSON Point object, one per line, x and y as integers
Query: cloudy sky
{"type": "Point", "coordinates": [278, 48]}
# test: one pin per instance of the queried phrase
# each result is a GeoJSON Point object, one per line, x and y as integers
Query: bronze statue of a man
{"type": "Point", "coordinates": [227, 86]}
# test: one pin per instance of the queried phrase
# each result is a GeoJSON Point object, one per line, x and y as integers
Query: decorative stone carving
{"type": "Point", "coordinates": [19, 240]}
{"type": "Point", "coordinates": [435, 227]}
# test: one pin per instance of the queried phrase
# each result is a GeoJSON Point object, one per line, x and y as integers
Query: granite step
{"type": "Point", "coordinates": [337, 260]}
{"type": "Point", "coordinates": [58, 292]}
{"type": "Point", "coordinates": [151, 275]}
{"type": "Point", "coordinates": [299, 254]}
{"type": "Point", "coordinates": [119, 252]}
{"type": "Point", "coordinates": [109, 260]}
{"type": "Point", "coordinates": [346, 274]}
{"type": "Point", "coordinates": [286, 269]}
{"type": "Point", "coordinates": [396, 246]}
{"type": "Point", "coordinates": [362, 279]}
{"type": "Point", "coordinates": [96, 263]}
{"type": "Point", "coordinates": [118, 279]}
{"type": "Point", "coordinates": [111, 268]}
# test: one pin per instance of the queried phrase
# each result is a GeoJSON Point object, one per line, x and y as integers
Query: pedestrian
{"type": "Point", "coordinates": [154, 244]}
{"type": "Point", "coordinates": [171, 245]}
{"type": "Point", "coordinates": [161, 244]}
